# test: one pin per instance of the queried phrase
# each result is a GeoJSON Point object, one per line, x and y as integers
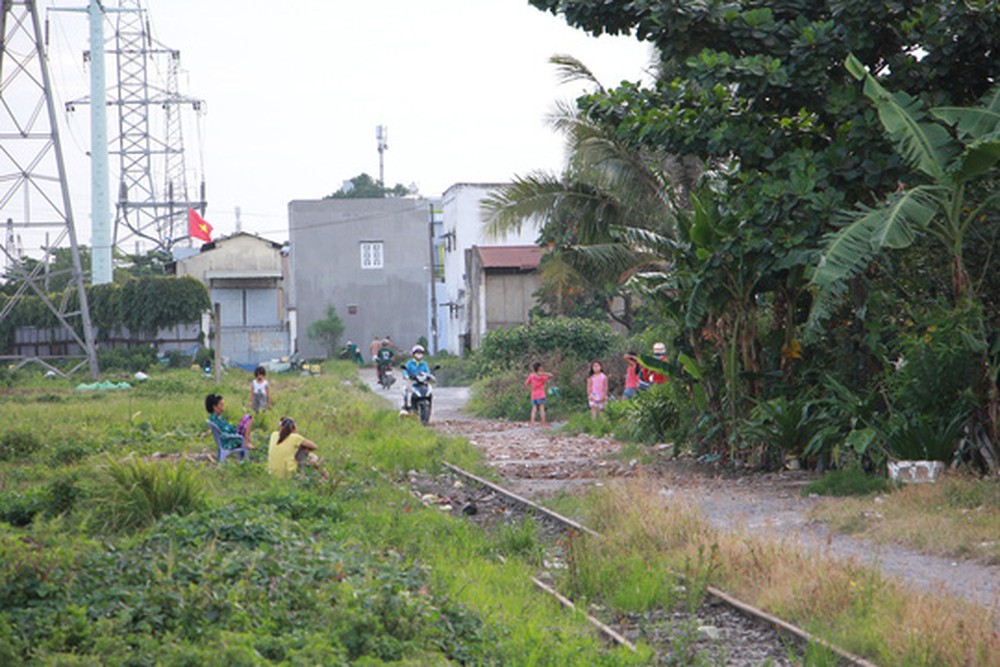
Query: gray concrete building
{"type": "Point", "coordinates": [370, 260]}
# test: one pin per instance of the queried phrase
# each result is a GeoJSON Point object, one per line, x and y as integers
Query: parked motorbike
{"type": "Point", "coordinates": [422, 395]}
{"type": "Point", "coordinates": [386, 377]}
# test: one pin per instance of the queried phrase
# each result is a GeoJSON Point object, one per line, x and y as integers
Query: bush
{"type": "Point", "coordinates": [136, 492]}
{"type": "Point", "coordinates": [514, 347]}
{"type": "Point", "coordinates": [127, 359]}
{"type": "Point", "coordinates": [924, 437]}
{"type": "Point", "coordinates": [652, 416]}
{"type": "Point", "coordinates": [501, 396]}
{"type": "Point", "coordinates": [847, 482]}
{"type": "Point", "coordinates": [18, 444]}
{"type": "Point", "coordinates": [19, 509]}
{"type": "Point", "coordinates": [204, 357]}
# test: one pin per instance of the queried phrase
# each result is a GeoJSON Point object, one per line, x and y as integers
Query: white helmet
{"type": "Point", "coordinates": [417, 348]}
{"type": "Point", "coordinates": [659, 348]}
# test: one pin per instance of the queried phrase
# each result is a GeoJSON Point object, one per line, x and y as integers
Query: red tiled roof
{"type": "Point", "coordinates": [523, 257]}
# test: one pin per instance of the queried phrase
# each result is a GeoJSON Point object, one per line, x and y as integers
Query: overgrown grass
{"type": "Point", "coordinates": [957, 516]}
{"type": "Point", "coordinates": [852, 606]}
{"type": "Point", "coordinates": [847, 482]}
{"type": "Point", "coordinates": [108, 557]}
{"type": "Point", "coordinates": [137, 493]}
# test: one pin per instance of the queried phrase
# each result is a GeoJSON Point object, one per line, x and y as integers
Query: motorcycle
{"type": "Point", "coordinates": [422, 395]}
{"type": "Point", "coordinates": [385, 376]}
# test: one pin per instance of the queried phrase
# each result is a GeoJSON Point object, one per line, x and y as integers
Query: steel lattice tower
{"type": "Point", "coordinates": [34, 197]}
{"type": "Point", "coordinates": [154, 215]}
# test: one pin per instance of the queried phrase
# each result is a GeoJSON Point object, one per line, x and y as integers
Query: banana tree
{"type": "Point", "coordinates": [951, 149]}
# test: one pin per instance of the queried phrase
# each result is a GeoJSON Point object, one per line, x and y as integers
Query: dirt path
{"type": "Point", "coordinates": [539, 463]}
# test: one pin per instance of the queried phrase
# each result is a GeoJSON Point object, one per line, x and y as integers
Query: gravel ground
{"type": "Point", "coordinates": [539, 463]}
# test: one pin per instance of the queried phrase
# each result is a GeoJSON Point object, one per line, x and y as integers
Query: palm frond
{"type": "Point", "coordinates": [893, 225]}
{"type": "Point", "coordinates": [978, 158]}
{"type": "Point", "coordinates": [570, 69]}
{"type": "Point", "coordinates": [976, 122]}
{"type": "Point", "coordinates": [825, 300]}
{"type": "Point", "coordinates": [531, 197]}
{"type": "Point", "coordinates": [928, 147]}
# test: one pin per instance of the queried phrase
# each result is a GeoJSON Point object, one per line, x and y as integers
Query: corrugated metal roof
{"type": "Point", "coordinates": [523, 257]}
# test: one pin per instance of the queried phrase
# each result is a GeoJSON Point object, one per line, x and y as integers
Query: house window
{"type": "Point", "coordinates": [371, 255]}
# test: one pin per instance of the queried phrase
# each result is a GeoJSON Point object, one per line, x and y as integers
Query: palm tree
{"type": "Point", "coordinates": [607, 189]}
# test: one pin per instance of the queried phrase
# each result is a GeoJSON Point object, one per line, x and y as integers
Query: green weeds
{"type": "Point", "coordinates": [138, 492]}
{"type": "Point", "coordinates": [108, 558]}
{"type": "Point", "coordinates": [848, 482]}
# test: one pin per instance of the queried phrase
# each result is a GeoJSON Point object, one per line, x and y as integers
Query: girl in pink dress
{"type": "Point", "coordinates": [597, 389]}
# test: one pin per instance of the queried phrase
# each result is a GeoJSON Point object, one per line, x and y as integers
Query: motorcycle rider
{"type": "Point", "coordinates": [411, 370]}
{"type": "Point", "coordinates": [383, 359]}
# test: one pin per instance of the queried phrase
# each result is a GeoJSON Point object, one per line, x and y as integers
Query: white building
{"type": "Point", "coordinates": [463, 229]}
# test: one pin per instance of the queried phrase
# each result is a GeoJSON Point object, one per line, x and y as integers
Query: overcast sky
{"type": "Point", "coordinates": [294, 91]}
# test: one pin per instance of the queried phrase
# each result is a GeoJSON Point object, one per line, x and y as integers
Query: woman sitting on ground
{"type": "Point", "coordinates": [233, 437]}
{"type": "Point", "coordinates": [290, 452]}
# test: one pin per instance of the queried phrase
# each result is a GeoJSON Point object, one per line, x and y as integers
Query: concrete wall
{"type": "Point", "coordinates": [326, 237]}
{"type": "Point", "coordinates": [463, 228]}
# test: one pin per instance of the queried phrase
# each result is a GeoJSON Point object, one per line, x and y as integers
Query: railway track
{"type": "Point", "coordinates": [744, 622]}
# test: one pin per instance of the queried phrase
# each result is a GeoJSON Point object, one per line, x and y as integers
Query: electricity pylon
{"type": "Point", "coordinates": [34, 197]}
{"type": "Point", "coordinates": [157, 215]}
{"type": "Point", "coordinates": [149, 211]}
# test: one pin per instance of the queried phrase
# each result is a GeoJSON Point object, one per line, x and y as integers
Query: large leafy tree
{"type": "Point", "coordinates": [951, 149]}
{"type": "Point", "coordinates": [758, 91]}
{"type": "Point", "coordinates": [364, 186]}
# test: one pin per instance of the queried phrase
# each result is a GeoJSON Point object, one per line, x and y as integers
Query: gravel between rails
{"type": "Point", "coordinates": [710, 635]}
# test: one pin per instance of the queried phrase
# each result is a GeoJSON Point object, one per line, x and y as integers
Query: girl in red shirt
{"type": "Point", "coordinates": [536, 381]}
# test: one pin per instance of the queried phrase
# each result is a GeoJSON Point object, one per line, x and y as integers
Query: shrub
{"type": "Point", "coordinates": [501, 396]}
{"type": "Point", "coordinates": [137, 492]}
{"type": "Point", "coordinates": [127, 359]}
{"type": "Point", "coordinates": [847, 482]}
{"type": "Point", "coordinates": [514, 347]}
{"type": "Point", "coordinates": [19, 509]}
{"type": "Point", "coordinates": [652, 416]}
{"type": "Point", "coordinates": [782, 427]}
{"type": "Point", "coordinates": [18, 444]}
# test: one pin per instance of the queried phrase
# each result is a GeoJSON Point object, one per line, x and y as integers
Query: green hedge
{"type": "Point", "coordinates": [515, 347]}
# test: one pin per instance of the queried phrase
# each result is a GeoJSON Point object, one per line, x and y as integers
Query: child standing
{"type": "Point", "coordinates": [597, 389]}
{"type": "Point", "coordinates": [536, 380]}
{"type": "Point", "coordinates": [260, 390]}
{"type": "Point", "coordinates": [631, 375]}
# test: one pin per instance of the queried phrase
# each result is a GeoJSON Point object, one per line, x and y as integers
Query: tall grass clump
{"type": "Point", "coordinates": [136, 493]}
{"type": "Point", "coordinates": [18, 443]}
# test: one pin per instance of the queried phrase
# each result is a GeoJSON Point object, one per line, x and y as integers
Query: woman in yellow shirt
{"type": "Point", "coordinates": [288, 451]}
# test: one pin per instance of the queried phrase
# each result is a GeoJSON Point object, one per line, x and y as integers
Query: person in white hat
{"type": "Point", "coordinates": [650, 377]}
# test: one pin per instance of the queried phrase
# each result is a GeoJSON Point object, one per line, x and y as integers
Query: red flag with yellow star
{"type": "Point", "coordinates": [198, 227]}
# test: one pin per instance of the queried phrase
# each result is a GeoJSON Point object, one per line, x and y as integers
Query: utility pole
{"type": "Point", "coordinates": [433, 283]}
{"type": "Point", "coordinates": [100, 202]}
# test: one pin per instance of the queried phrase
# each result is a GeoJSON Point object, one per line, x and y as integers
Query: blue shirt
{"type": "Point", "coordinates": [413, 368]}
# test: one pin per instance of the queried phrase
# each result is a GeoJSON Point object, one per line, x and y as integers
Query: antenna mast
{"type": "Point", "coordinates": [382, 137]}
